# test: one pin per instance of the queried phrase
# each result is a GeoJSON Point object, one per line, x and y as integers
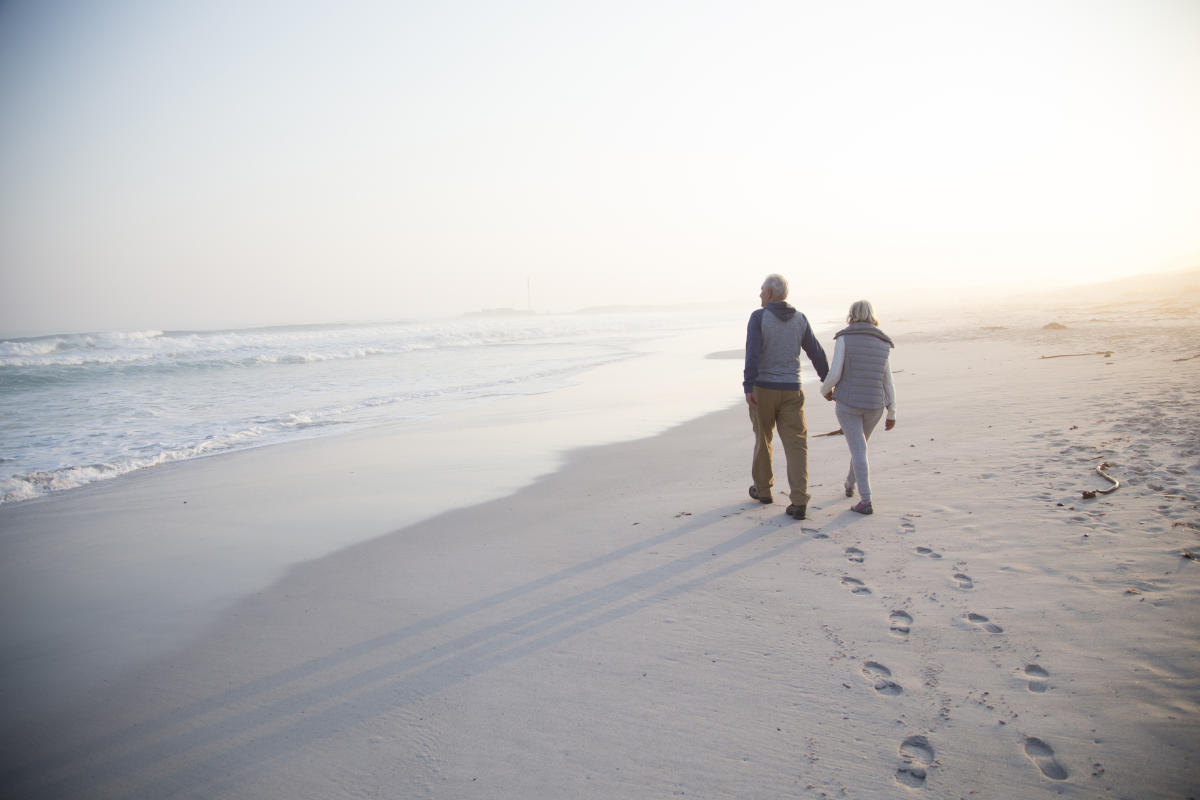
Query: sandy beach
{"type": "Point", "coordinates": [631, 625]}
{"type": "Point", "coordinates": [372, 421]}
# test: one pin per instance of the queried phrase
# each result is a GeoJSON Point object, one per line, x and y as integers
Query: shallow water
{"type": "Point", "coordinates": [79, 408]}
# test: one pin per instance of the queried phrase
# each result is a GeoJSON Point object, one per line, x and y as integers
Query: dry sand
{"type": "Point", "coordinates": [633, 626]}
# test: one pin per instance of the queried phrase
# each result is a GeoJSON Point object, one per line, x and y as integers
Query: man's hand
{"type": "Point", "coordinates": [889, 424]}
{"type": "Point", "coordinates": [750, 401]}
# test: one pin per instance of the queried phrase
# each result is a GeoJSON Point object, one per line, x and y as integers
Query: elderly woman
{"type": "Point", "coordinates": [860, 379]}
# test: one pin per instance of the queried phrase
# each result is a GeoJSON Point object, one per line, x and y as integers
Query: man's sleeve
{"type": "Point", "coordinates": [815, 354]}
{"type": "Point", "coordinates": [835, 369]}
{"type": "Point", "coordinates": [753, 348]}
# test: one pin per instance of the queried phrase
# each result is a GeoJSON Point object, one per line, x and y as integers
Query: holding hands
{"type": "Point", "coordinates": [887, 424]}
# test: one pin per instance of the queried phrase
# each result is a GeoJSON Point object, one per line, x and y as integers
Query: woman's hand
{"type": "Point", "coordinates": [889, 424]}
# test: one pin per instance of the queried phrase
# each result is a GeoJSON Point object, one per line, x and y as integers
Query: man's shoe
{"type": "Point", "coordinates": [796, 512]}
{"type": "Point", "coordinates": [863, 507]}
{"type": "Point", "coordinates": [760, 498]}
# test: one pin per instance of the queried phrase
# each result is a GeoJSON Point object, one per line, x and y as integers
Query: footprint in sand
{"type": "Point", "coordinates": [906, 526]}
{"type": "Point", "coordinates": [927, 552]}
{"type": "Point", "coordinates": [1037, 678]}
{"type": "Point", "coordinates": [901, 623]}
{"type": "Point", "coordinates": [1042, 755]}
{"type": "Point", "coordinates": [856, 586]}
{"type": "Point", "coordinates": [917, 754]}
{"type": "Point", "coordinates": [963, 581]}
{"type": "Point", "coordinates": [855, 555]}
{"type": "Point", "coordinates": [982, 622]}
{"type": "Point", "coordinates": [881, 677]}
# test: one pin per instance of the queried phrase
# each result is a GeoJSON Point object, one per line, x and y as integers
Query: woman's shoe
{"type": "Point", "coordinates": [863, 507]}
{"type": "Point", "coordinates": [849, 491]}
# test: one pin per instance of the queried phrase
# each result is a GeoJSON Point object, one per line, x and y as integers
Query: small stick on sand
{"type": "Point", "coordinates": [1105, 353]}
{"type": "Point", "coordinates": [838, 432]}
{"type": "Point", "coordinates": [1187, 358]}
{"type": "Point", "coordinates": [1088, 494]}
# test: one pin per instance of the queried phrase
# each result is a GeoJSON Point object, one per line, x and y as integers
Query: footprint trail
{"type": "Point", "coordinates": [855, 585]}
{"type": "Point", "coordinates": [901, 623]}
{"type": "Point", "coordinates": [982, 623]}
{"type": "Point", "coordinates": [1038, 677]}
{"type": "Point", "coordinates": [1042, 755]}
{"type": "Point", "coordinates": [881, 676]}
{"type": "Point", "coordinates": [916, 753]}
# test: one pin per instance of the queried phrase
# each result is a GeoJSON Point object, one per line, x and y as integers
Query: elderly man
{"type": "Point", "coordinates": [774, 338]}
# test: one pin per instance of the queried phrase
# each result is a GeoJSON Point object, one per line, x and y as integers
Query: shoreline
{"type": "Point", "coordinates": [201, 534]}
{"type": "Point", "coordinates": [631, 624]}
{"type": "Point", "coordinates": [139, 402]}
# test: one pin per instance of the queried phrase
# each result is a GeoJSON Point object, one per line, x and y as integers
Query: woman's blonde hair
{"type": "Point", "coordinates": [861, 311]}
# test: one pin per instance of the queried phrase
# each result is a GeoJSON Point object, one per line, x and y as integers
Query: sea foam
{"type": "Point", "coordinates": [78, 408]}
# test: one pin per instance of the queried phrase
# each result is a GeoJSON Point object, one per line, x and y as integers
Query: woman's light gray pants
{"type": "Point", "coordinates": [857, 424]}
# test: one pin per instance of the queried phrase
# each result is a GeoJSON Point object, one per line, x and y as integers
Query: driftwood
{"type": "Point", "coordinates": [1188, 358]}
{"type": "Point", "coordinates": [1088, 494]}
{"type": "Point", "coordinates": [838, 432]}
{"type": "Point", "coordinates": [1105, 353]}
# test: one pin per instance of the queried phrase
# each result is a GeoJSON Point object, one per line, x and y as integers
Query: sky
{"type": "Point", "coordinates": [168, 164]}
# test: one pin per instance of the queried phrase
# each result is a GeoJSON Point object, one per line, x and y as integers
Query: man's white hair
{"type": "Point", "coordinates": [776, 284]}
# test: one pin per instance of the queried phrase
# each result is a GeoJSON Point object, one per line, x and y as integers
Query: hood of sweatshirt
{"type": "Point", "coordinates": [781, 309]}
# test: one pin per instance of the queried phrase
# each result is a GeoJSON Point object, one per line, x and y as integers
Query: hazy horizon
{"type": "Point", "coordinates": [213, 165]}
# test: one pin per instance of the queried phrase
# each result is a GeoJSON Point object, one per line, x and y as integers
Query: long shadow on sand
{"type": "Point", "coordinates": [138, 762]}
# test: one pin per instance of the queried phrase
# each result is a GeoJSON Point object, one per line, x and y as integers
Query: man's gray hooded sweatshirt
{"type": "Point", "coordinates": [774, 338]}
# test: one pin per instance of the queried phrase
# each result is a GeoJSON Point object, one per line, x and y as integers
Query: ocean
{"type": "Point", "coordinates": [81, 408]}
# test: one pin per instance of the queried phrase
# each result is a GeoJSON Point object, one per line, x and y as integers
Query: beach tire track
{"type": "Point", "coordinates": [1042, 755]}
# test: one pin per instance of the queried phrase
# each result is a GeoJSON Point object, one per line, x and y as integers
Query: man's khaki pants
{"type": "Point", "coordinates": [785, 410]}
